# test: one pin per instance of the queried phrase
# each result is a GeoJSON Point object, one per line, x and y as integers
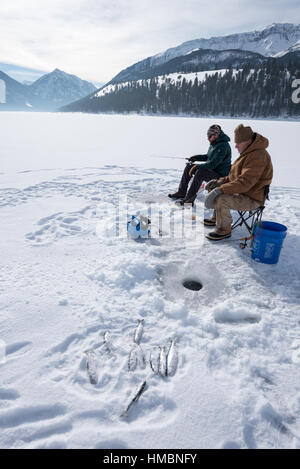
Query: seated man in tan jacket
{"type": "Point", "coordinates": [244, 187]}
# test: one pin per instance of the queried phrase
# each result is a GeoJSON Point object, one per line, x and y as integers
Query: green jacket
{"type": "Point", "coordinates": [218, 157]}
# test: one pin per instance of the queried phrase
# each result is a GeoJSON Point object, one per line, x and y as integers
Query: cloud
{"type": "Point", "coordinates": [95, 39]}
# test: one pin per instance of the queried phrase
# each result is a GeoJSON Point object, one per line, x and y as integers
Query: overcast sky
{"type": "Point", "coordinates": [95, 39]}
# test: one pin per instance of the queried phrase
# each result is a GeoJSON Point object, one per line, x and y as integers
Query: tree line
{"type": "Point", "coordinates": [264, 91]}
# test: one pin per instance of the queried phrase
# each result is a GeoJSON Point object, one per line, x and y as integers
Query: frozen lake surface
{"type": "Point", "coordinates": [64, 283]}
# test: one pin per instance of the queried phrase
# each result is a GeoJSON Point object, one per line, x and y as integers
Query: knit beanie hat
{"type": "Point", "coordinates": [214, 130]}
{"type": "Point", "coordinates": [242, 134]}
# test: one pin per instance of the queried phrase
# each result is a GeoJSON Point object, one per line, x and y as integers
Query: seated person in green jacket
{"type": "Point", "coordinates": [217, 164]}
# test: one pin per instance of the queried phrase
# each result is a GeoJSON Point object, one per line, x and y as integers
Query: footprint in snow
{"type": "Point", "coordinates": [229, 312]}
{"type": "Point", "coordinates": [60, 225]}
{"type": "Point", "coordinates": [9, 394]}
{"type": "Point", "coordinates": [21, 415]}
{"type": "Point", "coordinates": [16, 346]}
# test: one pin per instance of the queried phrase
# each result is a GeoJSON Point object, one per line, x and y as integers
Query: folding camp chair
{"type": "Point", "coordinates": [254, 216]}
{"type": "Point", "coordinates": [250, 218]}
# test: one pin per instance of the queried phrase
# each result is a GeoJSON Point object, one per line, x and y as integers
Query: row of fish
{"type": "Point", "coordinates": [163, 360]}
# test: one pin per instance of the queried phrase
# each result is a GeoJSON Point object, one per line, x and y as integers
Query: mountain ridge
{"type": "Point", "coordinates": [261, 41]}
{"type": "Point", "coordinates": [47, 93]}
{"type": "Point", "coordinates": [198, 60]}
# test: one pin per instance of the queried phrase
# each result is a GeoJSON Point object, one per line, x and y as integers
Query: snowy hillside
{"type": "Point", "coordinates": [194, 61]}
{"type": "Point", "coordinates": [267, 41]}
{"type": "Point", "coordinates": [162, 79]}
{"type": "Point", "coordinates": [66, 279]}
{"type": "Point", "coordinates": [253, 91]}
{"type": "Point", "coordinates": [58, 88]}
{"type": "Point", "coordinates": [274, 40]}
{"type": "Point", "coordinates": [273, 51]}
{"type": "Point", "coordinates": [295, 47]}
{"type": "Point", "coordinates": [17, 95]}
{"type": "Point", "coordinates": [47, 93]}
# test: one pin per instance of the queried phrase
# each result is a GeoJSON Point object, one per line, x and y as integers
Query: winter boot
{"type": "Point", "coordinates": [184, 201]}
{"type": "Point", "coordinates": [176, 195]}
{"type": "Point", "coordinates": [210, 221]}
{"type": "Point", "coordinates": [219, 234]}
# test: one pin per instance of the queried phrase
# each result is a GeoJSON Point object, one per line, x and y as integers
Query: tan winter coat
{"type": "Point", "coordinates": [251, 172]}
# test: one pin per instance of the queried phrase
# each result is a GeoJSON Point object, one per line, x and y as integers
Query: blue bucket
{"type": "Point", "coordinates": [267, 242]}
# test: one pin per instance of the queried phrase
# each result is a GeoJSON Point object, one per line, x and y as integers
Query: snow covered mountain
{"type": "Point", "coordinates": [294, 48]}
{"type": "Point", "coordinates": [17, 96]}
{"type": "Point", "coordinates": [268, 41]}
{"type": "Point", "coordinates": [274, 40]}
{"type": "Point", "coordinates": [242, 84]}
{"type": "Point", "coordinates": [195, 61]}
{"type": "Point", "coordinates": [59, 88]}
{"type": "Point", "coordinates": [49, 92]}
{"type": "Point", "coordinates": [277, 45]}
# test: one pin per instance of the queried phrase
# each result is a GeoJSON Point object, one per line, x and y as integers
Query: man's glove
{"type": "Point", "coordinates": [192, 170]}
{"type": "Point", "coordinates": [193, 158]}
{"type": "Point", "coordinates": [212, 185]}
{"type": "Point", "coordinates": [210, 198]}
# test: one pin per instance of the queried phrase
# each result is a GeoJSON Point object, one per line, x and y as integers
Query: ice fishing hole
{"type": "Point", "coordinates": [191, 284]}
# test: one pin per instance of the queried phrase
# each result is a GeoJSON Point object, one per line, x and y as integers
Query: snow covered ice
{"type": "Point", "coordinates": [62, 287]}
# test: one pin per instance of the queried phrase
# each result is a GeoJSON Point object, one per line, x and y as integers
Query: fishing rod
{"type": "Point", "coordinates": [172, 157]}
